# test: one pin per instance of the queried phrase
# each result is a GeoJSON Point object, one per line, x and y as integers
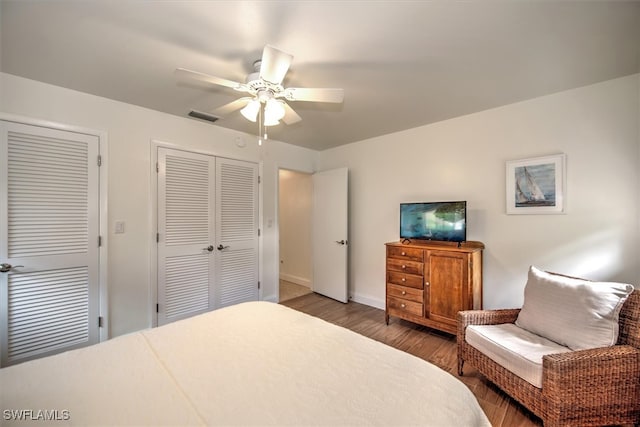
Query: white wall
{"type": "Point", "coordinates": [464, 159]}
{"type": "Point", "coordinates": [130, 130]}
{"type": "Point", "coordinates": [294, 222]}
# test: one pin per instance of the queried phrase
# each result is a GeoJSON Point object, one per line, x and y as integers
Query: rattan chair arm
{"type": "Point", "coordinates": [589, 359]}
{"type": "Point", "coordinates": [482, 317]}
{"type": "Point", "coordinates": [570, 377]}
{"type": "Point", "coordinates": [487, 317]}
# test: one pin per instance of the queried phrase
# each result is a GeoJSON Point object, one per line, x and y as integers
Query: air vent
{"type": "Point", "coordinates": [203, 116]}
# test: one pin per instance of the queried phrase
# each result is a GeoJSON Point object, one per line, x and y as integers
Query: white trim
{"type": "Point", "coordinates": [153, 220]}
{"type": "Point", "coordinates": [103, 143]}
{"type": "Point", "coordinates": [372, 302]}
{"type": "Point", "coordinates": [104, 232]}
{"type": "Point", "coordinates": [153, 230]}
{"type": "Point", "coordinates": [272, 299]}
{"type": "Point", "coordinates": [302, 281]}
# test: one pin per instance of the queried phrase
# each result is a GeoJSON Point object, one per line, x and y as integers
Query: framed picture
{"type": "Point", "coordinates": [536, 185]}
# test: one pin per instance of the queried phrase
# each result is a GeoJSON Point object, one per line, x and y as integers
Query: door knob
{"type": "Point", "coordinates": [208, 248]}
{"type": "Point", "coordinates": [220, 247]}
{"type": "Point", "coordinates": [5, 268]}
{"type": "Point", "coordinates": [341, 242]}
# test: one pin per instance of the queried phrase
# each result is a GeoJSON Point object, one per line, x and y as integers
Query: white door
{"type": "Point", "coordinates": [49, 234]}
{"type": "Point", "coordinates": [186, 234]}
{"type": "Point", "coordinates": [237, 232]}
{"type": "Point", "coordinates": [330, 231]}
{"type": "Point", "coordinates": [207, 233]}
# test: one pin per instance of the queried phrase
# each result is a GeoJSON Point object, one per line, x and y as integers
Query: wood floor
{"type": "Point", "coordinates": [290, 290]}
{"type": "Point", "coordinates": [436, 347]}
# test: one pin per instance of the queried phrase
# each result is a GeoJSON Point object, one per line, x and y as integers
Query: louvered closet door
{"type": "Point", "coordinates": [186, 188]}
{"type": "Point", "coordinates": [237, 232]}
{"type": "Point", "coordinates": [49, 206]}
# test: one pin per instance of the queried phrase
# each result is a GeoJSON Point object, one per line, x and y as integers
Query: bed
{"type": "Point", "coordinates": [255, 363]}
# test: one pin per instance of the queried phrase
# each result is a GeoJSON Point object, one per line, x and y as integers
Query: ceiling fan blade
{"type": "Point", "coordinates": [290, 116]}
{"type": "Point", "coordinates": [231, 107]}
{"type": "Point", "coordinates": [275, 64]}
{"type": "Point", "coordinates": [314, 94]}
{"type": "Point", "coordinates": [184, 73]}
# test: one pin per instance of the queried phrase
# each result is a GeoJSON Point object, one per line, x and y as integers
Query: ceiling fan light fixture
{"type": "Point", "coordinates": [250, 112]}
{"type": "Point", "coordinates": [273, 112]}
{"type": "Point", "coordinates": [271, 122]}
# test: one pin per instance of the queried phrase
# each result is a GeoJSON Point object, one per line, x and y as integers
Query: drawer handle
{"type": "Point", "coordinates": [403, 305]}
{"type": "Point", "coordinates": [404, 279]}
{"type": "Point", "coordinates": [404, 292]}
{"type": "Point", "coordinates": [426, 283]}
{"type": "Point", "coordinates": [403, 253]}
{"type": "Point", "coordinates": [404, 266]}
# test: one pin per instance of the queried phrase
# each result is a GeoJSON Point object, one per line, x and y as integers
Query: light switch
{"type": "Point", "coordinates": [119, 227]}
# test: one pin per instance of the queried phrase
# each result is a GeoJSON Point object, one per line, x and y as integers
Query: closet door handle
{"type": "Point", "coordinates": [220, 247]}
{"type": "Point", "coordinates": [5, 268]}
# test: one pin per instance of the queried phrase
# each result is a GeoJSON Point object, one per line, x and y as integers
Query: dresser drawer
{"type": "Point", "coordinates": [405, 279]}
{"type": "Point", "coordinates": [403, 292]}
{"type": "Point", "coordinates": [411, 254]}
{"type": "Point", "coordinates": [410, 267]}
{"type": "Point", "coordinates": [399, 305]}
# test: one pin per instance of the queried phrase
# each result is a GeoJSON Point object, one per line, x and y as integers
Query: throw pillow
{"type": "Point", "coordinates": [576, 313]}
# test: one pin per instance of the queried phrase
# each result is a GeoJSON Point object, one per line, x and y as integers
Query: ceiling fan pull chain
{"type": "Point", "coordinates": [260, 123]}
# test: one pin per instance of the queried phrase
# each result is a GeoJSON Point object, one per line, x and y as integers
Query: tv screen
{"type": "Point", "coordinates": [434, 221]}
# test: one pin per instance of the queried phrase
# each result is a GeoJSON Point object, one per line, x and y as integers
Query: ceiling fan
{"type": "Point", "coordinates": [266, 101]}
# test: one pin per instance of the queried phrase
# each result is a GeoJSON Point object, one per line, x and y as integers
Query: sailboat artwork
{"type": "Point", "coordinates": [535, 185]}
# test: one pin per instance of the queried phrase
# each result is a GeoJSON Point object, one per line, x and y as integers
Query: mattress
{"type": "Point", "coordinates": [255, 363]}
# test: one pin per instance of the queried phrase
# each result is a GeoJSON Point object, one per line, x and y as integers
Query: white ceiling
{"type": "Point", "coordinates": [402, 64]}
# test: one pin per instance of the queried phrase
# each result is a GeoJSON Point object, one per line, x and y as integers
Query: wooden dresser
{"type": "Point", "coordinates": [428, 283]}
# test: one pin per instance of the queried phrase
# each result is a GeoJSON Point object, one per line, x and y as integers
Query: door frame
{"type": "Point", "coordinates": [280, 167]}
{"type": "Point", "coordinates": [103, 222]}
{"type": "Point", "coordinates": [153, 218]}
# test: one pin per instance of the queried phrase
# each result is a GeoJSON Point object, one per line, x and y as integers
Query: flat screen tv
{"type": "Point", "coordinates": [446, 221]}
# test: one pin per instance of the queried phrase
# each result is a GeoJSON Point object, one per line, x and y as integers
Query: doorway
{"type": "Point", "coordinates": [295, 200]}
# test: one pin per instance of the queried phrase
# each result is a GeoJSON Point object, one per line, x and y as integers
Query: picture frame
{"type": "Point", "coordinates": [536, 185]}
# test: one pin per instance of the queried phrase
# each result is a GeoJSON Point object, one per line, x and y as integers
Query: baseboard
{"type": "Point", "coordinates": [296, 279]}
{"type": "Point", "coordinates": [360, 299]}
{"type": "Point", "coordinates": [271, 298]}
{"type": "Point", "coordinates": [371, 302]}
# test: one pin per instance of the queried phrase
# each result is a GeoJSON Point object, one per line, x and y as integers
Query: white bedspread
{"type": "Point", "coordinates": [251, 364]}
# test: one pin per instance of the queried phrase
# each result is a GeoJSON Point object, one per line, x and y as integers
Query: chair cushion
{"type": "Point", "coordinates": [575, 313]}
{"type": "Point", "coordinates": [514, 348]}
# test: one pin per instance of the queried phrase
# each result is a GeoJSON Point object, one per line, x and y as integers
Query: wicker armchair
{"type": "Point", "coordinates": [588, 387]}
